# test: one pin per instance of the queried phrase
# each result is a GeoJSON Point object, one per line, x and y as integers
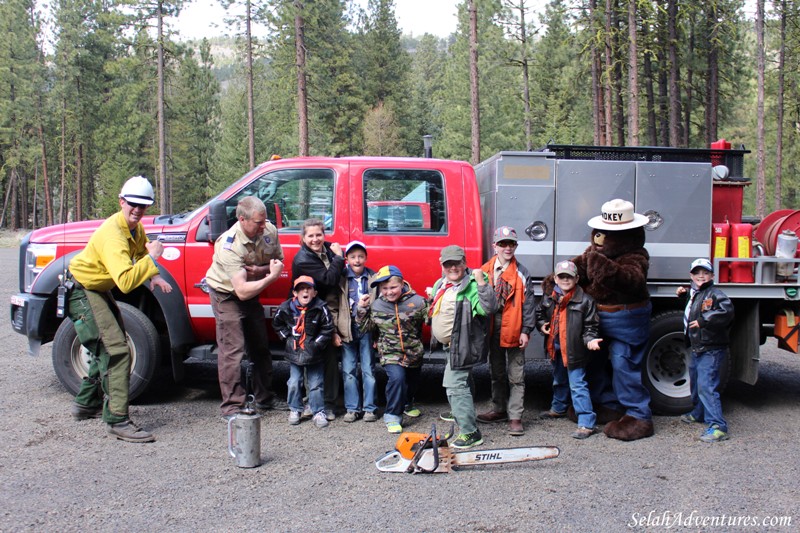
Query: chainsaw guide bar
{"type": "Point", "coordinates": [421, 453]}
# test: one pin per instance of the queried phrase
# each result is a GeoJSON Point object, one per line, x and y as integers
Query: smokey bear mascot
{"type": "Point", "coordinates": [613, 270]}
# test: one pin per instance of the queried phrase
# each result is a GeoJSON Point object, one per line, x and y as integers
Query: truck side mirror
{"type": "Point", "coordinates": [217, 220]}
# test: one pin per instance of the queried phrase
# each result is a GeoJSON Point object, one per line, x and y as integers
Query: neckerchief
{"type": "Point", "coordinates": [299, 329]}
{"type": "Point", "coordinates": [436, 303]}
{"type": "Point", "coordinates": [558, 324]}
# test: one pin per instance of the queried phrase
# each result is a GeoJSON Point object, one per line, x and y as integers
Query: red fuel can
{"type": "Point", "coordinates": [742, 246]}
{"type": "Point", "coordinates": [720, 248]}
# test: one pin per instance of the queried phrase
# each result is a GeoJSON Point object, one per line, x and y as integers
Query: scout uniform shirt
{"type": "Point", "coordinates": [233, 250]}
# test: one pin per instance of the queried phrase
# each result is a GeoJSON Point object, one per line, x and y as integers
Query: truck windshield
{"type": "Point", "coordinates": [291, 196]}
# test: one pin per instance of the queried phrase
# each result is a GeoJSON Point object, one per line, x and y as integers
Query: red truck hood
{"type": "Point", "coordinates": [79, 232]}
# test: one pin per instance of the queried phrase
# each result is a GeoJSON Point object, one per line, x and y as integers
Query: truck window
{"type": "Point", "coordinates": [404, 200]}
{"type": "Point", "coordinates": [291, 196]}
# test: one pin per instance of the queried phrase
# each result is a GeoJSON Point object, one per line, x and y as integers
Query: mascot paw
{"type": "Point", "coordinates": [604, 415]}
{"type": "Point", "coordinates": [629, 428]}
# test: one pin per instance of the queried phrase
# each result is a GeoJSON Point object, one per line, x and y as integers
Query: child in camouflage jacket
{"type": "Point", "coordinates": [395, 319]}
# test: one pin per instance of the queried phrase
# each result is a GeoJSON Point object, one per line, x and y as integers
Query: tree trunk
{"type": "Point", "coordinates": [780, 106]}
{"type": "Point", "coordinates": [48, 200]}
{"type": "Point", "coordinates": [526, 85]}
{"type": "Point", "coordinates": [595, 69]}
{"type": "Point", "coordinates": [674, 75]}
{"type": "Point", "coordinates": [10, 189]}
{"type": "Point", "coordinates": [62, 212]}
{"type": "Point", "coordinates": [475, 114]}
{"type": "Point", "coordinates": [761, 175]}
{"type": "Point", "coordinates": [687, 113]}
{"type": "Point", "coordinates": [650, 97]}
{"type": "Point", "coordinates": [712, 82]}
{"type": "Point", "coordinates": [633, 77]}
{"type": "Point", "coordinates": [79, 211]}
{"type": "Point", "coordinates": [162, 135]}
{"type": "Point", "coordinates": [251, 127]}
{"type": "Point", "coordinates": [619, 107]}
{"type": "Point", "coordinates": [608, 91]}
{"type": "Point", "coordinates": [302, 94]}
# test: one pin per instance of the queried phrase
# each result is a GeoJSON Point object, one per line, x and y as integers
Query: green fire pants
{"type": "Point", "coordinates": [98, 324]}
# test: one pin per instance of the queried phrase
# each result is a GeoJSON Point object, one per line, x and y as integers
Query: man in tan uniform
{"type": "Point", "coordinates": [247, 259]}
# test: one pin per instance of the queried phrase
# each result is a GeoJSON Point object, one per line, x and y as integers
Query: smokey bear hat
{"type": "Point", "coordinates": [617, 215]}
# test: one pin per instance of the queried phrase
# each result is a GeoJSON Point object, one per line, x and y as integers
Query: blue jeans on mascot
{"type": "Point", "coordinates": [625, 334]}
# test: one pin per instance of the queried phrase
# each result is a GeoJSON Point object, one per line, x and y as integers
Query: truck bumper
{"type": "Point", "coordinates": [28, 317]}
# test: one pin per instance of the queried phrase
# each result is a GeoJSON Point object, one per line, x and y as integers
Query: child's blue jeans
{"type": "Point", "coordinates": [704, 380]}
{"type": "Point", "coordinates": [572, 383]}
{"type": "Point", "coordinates": [315, 375]}
{"type": "Point", "coordinates": [359, 351]}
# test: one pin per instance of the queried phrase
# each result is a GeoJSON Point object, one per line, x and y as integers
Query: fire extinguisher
{"type": "Point", "coordinates": [720, 248]}
{"type": "Point", "coordinates": [742, 246]}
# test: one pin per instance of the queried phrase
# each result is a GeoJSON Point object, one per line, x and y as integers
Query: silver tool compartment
{"type": "Point", "coordinates": [549, 197]}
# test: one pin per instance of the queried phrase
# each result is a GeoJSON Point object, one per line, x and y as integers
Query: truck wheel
{"type": "Point", "coordinates": [71, 359]}
{"type": "Point", "coordinates": [666, 366]}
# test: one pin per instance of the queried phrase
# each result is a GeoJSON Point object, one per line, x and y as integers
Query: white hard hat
{"type": "Point", "coordinates": [137, 190]}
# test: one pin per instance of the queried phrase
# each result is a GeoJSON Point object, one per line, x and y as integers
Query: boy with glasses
{"type": "Point", "coordinates": [509, 331]}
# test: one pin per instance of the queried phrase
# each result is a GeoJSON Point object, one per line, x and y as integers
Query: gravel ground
{"type": "Point", "coordinates": [62, 475]}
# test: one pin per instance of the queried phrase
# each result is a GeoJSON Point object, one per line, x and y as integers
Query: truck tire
{"type": "Point", "coordinates": [665, 370]}
{"type": "Point", "coordinates": [71, 359]}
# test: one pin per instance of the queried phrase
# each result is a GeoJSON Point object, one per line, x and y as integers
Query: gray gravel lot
{"type": "Point", "coordinates": [61, 475]}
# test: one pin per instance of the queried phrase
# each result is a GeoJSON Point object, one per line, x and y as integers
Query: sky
{"type": "Point", "coordinates": [204, 18]}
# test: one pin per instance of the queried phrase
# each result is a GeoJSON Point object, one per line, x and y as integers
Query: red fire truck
{"type": "Point", "coordinates": [406, 209]}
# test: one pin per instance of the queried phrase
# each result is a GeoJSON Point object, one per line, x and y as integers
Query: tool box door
{"type": "Point", "coordinates": [678, 197]}
{"type": "Point", "coordinates": [582, 187]}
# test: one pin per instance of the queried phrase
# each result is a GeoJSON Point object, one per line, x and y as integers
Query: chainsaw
{"type": "Point", "coordinates": [428, 453]}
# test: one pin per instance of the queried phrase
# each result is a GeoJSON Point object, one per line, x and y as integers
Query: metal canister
{"type": "Point", "coordinates": [244, 439]}
{"type": "Point", "coordinates": [786, 248]}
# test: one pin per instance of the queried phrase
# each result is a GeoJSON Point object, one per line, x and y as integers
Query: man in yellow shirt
{"type": "Point", "coordinates": [117, 255]}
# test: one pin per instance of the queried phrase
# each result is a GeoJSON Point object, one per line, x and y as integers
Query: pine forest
{"type": "Point", "coordinates": [93, 92]}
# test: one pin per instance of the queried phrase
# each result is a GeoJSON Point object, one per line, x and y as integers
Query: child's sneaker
{"type": "Point", "coordinates": [468, 440]}
{"type": "Point", "coordinates": [394, 427]}
{"type": "Point", "coordinates": [294, 417]}
{"type": "Point", "coordinates": [689, 418]}
{"type": "Point", "coordinates": [714, 434]}
{"type": "Point", "coordinates": [583, 432]}
{"type": "Point", "coordinates": [320, 420]}
{"type": "Point", "coordinates": [370, 416]}
{"type": "Point", "coordinates": [351, 416]}
{"type": "Point", "coordinates": [307, 413]}
{"type": "Point", "coordinates": [411, 411]}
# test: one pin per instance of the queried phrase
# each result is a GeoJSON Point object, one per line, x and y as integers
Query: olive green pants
{"type": "Point", "coordinates": [98, 324]}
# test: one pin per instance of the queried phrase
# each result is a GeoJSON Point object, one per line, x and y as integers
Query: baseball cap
{"type": "Point", "coordinates": [304, 280]}
{"type": "Point", "coordinates": [354, 244]}
{"type": "Point", "coordinates": [452, 253]}
{"type": "Point", "coordinates": [702, 263]}
{"type": "Point", "coordinates": [505, 233]}
{"type": "Point", "coordinates": [384, 273]}
{"type": "Point", "coordinates": [566, 267]}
